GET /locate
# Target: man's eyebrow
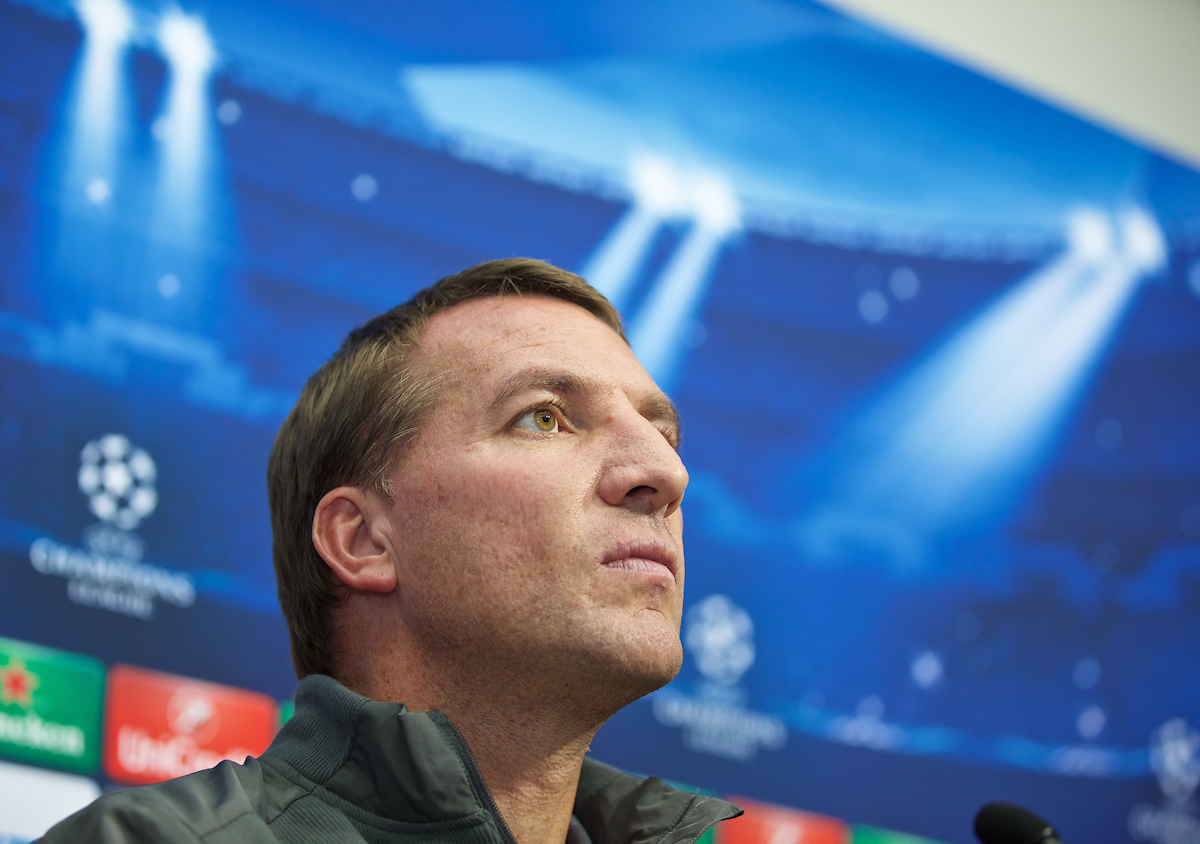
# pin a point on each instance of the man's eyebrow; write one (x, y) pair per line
(540, 378)
(654, 406)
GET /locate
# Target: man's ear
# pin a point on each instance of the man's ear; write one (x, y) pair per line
(349, 531)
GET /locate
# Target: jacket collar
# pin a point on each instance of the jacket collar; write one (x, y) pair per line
(415, 767)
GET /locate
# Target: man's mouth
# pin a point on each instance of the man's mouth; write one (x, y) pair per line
(648, 556)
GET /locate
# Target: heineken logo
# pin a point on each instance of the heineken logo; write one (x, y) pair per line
(17, 684)
(50, 706)
(118, 479)
(31, 732)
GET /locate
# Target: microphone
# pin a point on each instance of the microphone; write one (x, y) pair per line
(1004, 823)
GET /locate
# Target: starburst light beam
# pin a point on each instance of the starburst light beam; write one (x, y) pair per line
(658, 196)
(98, 103)
(664, 323)
(183, 129)
(960, 437)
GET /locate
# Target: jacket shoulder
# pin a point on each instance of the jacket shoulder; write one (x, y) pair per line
(610, 803)
(228, 803)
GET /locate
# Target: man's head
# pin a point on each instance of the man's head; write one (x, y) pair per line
(492, 459)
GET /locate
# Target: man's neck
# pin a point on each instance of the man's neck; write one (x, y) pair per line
(528, 747)
(531, 769)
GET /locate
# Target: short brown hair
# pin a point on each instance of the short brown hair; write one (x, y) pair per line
(355, 415)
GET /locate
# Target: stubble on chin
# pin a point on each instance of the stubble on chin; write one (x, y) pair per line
(590, 677)
(618, 677)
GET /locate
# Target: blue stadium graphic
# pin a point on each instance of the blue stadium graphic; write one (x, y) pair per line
(935, 345)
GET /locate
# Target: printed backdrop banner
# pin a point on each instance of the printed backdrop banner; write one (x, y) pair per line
(935, 345)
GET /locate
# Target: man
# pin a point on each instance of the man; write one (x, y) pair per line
(475, 506)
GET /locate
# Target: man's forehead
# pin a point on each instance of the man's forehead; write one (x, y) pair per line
(491, 320)
(486, 338)
(510, 344)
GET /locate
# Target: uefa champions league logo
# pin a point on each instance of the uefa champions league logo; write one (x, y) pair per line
(719, 636)
(1175, 761)
(118, 480)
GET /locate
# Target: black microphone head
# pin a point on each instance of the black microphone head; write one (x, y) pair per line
(1004, 823)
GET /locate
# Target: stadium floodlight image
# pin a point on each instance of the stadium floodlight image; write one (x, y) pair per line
(900, 351)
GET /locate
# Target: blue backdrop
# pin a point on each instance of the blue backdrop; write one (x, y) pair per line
(935, 345)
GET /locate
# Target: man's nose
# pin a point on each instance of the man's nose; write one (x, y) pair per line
(643, 470)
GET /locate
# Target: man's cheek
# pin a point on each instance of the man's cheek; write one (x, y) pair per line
(675, 525)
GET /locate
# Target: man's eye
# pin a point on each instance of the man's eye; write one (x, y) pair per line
(542, 420)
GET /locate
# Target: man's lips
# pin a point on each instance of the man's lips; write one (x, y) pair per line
(645, 555)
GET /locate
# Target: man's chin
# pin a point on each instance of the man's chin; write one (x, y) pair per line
(643, 672)
(661, 678)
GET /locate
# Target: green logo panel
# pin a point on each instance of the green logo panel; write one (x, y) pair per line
(51, 704)
(874, 835)
(287, 709)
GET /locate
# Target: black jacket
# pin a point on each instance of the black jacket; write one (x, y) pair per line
(349, 769)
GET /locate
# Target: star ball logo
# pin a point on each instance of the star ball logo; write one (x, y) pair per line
(118, 479)
(1175, 761)
(719, 636)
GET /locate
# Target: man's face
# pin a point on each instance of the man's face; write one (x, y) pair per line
(536, 515)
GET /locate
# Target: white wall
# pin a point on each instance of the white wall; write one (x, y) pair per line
(1132, 66)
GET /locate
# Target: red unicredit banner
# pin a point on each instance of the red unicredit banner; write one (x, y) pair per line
(159, 726)
(764, 823)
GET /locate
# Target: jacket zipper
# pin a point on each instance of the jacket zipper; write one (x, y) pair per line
(473, 773)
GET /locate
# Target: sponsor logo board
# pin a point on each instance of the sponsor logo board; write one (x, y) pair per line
(158, 726)
(765, 823)
(50, 706)
(287, 708)
(33, 799)
(875, 835)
